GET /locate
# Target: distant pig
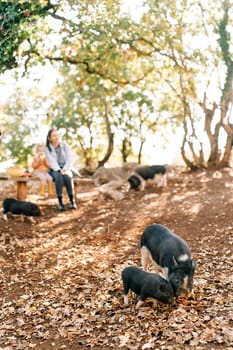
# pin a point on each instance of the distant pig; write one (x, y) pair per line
(147, 285)
(170, 255)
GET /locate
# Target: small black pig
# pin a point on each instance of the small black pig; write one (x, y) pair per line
(171, 256)
(16, 207)
(147, 285)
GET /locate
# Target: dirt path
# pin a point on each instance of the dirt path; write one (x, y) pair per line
(60, 279)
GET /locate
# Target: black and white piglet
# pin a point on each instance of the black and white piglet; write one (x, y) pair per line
(170, 255)
(147, 285)
(147, 174)
(16, 207)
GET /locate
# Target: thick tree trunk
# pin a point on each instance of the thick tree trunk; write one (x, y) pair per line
(212, 129)
(225, 162)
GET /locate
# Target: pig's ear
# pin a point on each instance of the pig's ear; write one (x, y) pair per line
(175, 262)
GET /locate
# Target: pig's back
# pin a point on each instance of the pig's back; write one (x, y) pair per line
(163, 244)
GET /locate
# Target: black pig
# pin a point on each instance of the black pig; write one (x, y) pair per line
(147, 285)
(16, 207)
(171, 256)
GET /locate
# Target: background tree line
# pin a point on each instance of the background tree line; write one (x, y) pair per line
(120, 78)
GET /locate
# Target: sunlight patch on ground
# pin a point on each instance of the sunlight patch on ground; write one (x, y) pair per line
(179, 198)
(195, 209)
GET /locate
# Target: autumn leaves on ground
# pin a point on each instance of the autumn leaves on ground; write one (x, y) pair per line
(60, 278)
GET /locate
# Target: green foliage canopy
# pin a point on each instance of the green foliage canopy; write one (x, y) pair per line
(16, 19)
(171, 58)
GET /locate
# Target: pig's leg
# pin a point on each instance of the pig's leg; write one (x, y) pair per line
(142, 185)
(139, 304)
(159, 180)
(30, 218)
(143, 296)
(163, 272)
(145, 258)
(126, 300)
(164, 180)
(125, 292)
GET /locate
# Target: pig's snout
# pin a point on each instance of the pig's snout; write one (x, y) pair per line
(180, 284)
(183, 291)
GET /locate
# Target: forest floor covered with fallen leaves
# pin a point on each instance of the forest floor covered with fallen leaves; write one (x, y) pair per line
(61, 282)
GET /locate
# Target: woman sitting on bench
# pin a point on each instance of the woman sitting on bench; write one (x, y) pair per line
(61, 164)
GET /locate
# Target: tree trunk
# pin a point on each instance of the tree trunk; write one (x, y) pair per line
(108, 152)
(110, 135)
(190, 164)
(215, 159)
(140, 151)
(126, 149)
(225, 162)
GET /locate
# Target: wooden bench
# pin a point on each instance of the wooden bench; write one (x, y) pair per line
(22, 181)
(21, 184)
